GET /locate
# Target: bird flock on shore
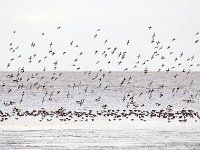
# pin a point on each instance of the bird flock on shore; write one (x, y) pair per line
(85, 85)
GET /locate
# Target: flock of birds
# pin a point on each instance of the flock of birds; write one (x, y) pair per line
(109, 114)
(24, 82)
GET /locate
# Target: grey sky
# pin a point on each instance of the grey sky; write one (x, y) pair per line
(119, 21)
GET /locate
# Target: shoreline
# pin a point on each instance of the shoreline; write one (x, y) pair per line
(100, 125)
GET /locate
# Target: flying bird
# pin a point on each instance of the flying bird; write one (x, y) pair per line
(127, 42)
(149, 27)
(95, 36)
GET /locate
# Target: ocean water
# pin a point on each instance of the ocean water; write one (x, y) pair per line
(99, 110)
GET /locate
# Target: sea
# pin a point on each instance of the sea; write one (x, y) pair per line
(99, 110)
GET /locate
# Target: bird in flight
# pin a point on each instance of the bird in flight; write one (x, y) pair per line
(150, 27)
(196, 41)
(173, 39)
(127, 42)
(71, 43)
(105, 41)
(32, 44)
(95, 36)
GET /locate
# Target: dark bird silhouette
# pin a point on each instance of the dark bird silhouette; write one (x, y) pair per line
(50, 44)
(95, 36)
(138, 56)
(158, 42)
(127, 42)
(105, 41)
(8, 65)
(71, 43)
(173, 39)
(32, 44)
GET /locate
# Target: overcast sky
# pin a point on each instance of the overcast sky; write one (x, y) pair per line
(119, 21)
